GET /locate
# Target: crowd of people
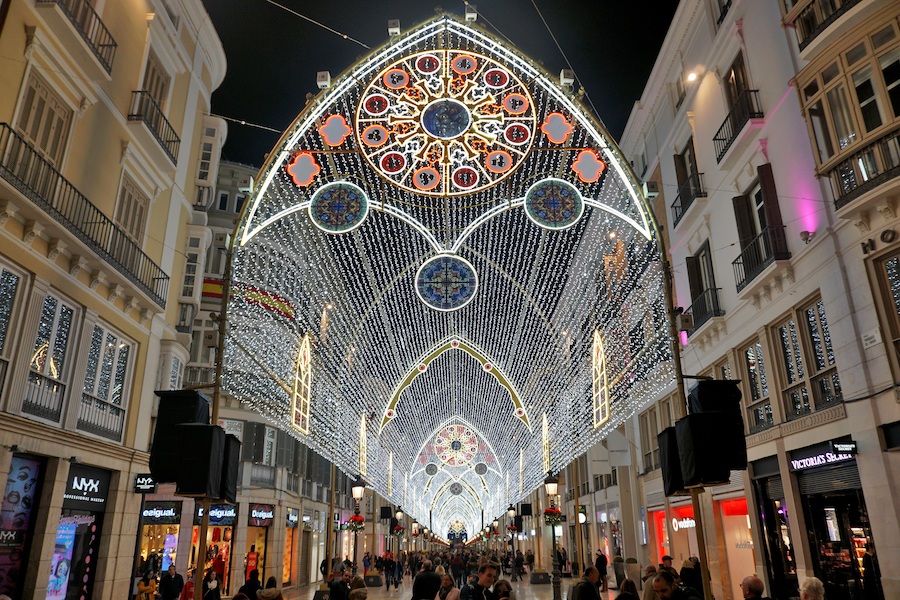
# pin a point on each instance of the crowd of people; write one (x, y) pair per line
(468, 575)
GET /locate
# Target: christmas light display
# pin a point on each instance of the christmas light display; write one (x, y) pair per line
(443, 246)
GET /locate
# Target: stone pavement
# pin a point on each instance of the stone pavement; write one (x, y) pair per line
(523, 591)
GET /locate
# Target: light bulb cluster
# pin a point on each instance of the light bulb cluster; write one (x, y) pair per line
(541, 296)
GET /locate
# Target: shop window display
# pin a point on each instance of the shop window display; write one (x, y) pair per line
(216, 553)
(159, 536)
(17, 515)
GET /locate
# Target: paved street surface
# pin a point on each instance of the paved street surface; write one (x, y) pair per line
(523, 591)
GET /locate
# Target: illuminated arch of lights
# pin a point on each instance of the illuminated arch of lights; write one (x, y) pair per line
(446, 189)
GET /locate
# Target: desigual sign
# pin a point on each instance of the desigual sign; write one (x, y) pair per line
(161, 513)
(685, 523)
(261, 515)
(219, 514)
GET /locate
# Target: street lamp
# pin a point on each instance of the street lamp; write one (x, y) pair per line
(399, 514)
(511, 513)
(358, 490)
(551, 486)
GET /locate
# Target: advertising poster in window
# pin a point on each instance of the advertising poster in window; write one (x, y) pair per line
(17, 513)
(61, 564)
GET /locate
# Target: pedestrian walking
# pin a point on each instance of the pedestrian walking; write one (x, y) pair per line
(171, 584)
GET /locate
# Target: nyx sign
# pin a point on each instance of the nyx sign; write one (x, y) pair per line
(87, 488)
(144, 484)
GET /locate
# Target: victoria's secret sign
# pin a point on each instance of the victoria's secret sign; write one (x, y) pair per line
(823, 455)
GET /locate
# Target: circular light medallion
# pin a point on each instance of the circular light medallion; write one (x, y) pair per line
(456, 488)
(446, 282)
(446, 119)
(338, 207)
(431, 469)
(481, 469)
(553, 204)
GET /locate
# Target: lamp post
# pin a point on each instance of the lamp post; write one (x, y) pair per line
(495, 531)
(551, 486)
(511, 513)
(358, 489)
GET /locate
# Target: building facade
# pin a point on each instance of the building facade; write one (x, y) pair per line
(102, 122)
(772, 136)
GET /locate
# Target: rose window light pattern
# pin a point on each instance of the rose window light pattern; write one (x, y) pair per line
(434, 246)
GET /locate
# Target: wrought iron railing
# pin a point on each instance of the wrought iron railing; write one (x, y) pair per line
(262, 476)
(868, 168)
(723, 12)
(691, 189)
(760, 416)
(817, 17)
(746, 107)
(101, 418)
(29, 172)
(91, 28)
(821, 392)
(198, 375)
(43, 397)
(144, 108)
(763, 250)
(705, 306)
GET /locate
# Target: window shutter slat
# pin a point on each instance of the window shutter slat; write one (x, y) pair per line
(770, 195)
(744, 220)
(695, 280)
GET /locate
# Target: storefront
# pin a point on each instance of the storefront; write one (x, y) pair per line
(737, 538)
(775, 528)
(158, 544)
(18, 512)
(836, 515)
(75, 555)
(216, 553)
(683, 542)
(260, 518)
(291, 523)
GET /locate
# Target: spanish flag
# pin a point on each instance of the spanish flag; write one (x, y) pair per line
(212, 288)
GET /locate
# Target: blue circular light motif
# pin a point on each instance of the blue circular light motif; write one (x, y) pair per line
(446, 282)
(446, 119)
(553, 204)
(431, 469)
(481, 469)
(338, 207)
(456, 489)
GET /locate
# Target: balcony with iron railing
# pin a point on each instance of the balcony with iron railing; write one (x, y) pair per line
(690, 190)
(821, 392)
(262, 476)
(44, 397)
(817, 16)
(29, 172)
(871, 166)
(198, 375)
(760, 417)
(746, 107)
(101, 418)
(90, 27)
(763, 250)
(144, 108)
(705, 307)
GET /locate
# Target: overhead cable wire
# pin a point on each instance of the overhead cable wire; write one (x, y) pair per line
(322, 25)
(568, 63)
(248, 124)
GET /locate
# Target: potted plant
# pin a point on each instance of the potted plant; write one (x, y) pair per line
(633, 570)
(618, 564)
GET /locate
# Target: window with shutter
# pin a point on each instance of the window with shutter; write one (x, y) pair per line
(131, 210)
(156, 81)
(44, 119)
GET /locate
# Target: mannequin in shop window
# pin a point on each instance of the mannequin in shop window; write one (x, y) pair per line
(871, 575)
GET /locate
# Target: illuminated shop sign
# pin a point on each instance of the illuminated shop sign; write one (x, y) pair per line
(161, 513)
(219, 514)
(823, 455)
(261, 515)
(144, 484)
(685, 523)
(292, 517)
(86, 488)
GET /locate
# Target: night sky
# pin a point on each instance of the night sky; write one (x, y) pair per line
(273, 55)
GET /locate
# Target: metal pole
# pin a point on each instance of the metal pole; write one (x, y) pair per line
(681, 409)
(200, 566)
(557, 593)
(329, 536)
(579, 542)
